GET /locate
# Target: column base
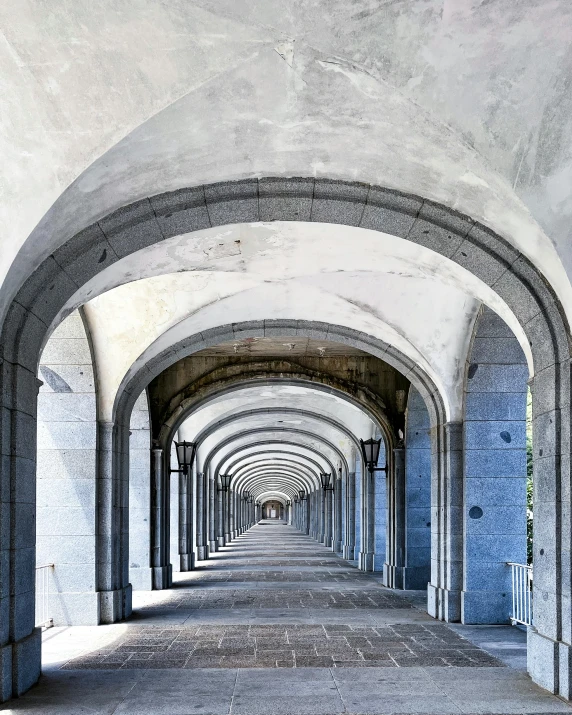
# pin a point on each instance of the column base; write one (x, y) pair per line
(392, 576)
(20, 665)
(443, 604)
(187, 562)
(115, 605)
(162, 577)
(337, 547)
(348, 552)
(227, 539)
(201, 553)
(220, 541)
(550, 663)
(366, 560)
(213, 546)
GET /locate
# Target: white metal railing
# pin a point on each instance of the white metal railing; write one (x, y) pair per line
(42, 596)
(521, 594)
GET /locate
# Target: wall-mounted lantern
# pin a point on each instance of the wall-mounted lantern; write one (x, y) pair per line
(185, 456)
(370, 452)
(302, 494)
(325, 479)
(225, 480)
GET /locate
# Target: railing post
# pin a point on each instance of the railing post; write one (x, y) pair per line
(521, 578)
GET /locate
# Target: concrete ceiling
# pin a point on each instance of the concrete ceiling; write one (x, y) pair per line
(234, 433)
(466, 103)
(268, 347)
(410, 297)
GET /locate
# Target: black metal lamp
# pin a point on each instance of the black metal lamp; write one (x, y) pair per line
(302, 494)
(296, 499)
(288, 503)
(250, 498)
(325, 479)
(370, 453)
(185, 455)
(225, 482)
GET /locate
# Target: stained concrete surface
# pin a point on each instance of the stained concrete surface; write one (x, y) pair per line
(237, 592)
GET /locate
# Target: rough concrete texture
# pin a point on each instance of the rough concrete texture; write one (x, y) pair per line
(440, 114)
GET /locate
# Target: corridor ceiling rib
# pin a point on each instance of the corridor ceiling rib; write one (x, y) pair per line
(257, 433)
(187, 408)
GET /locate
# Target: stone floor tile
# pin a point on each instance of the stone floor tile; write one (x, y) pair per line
(233, 625)
(392, 704)
(287, 705)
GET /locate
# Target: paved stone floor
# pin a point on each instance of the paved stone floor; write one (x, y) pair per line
(275, 623)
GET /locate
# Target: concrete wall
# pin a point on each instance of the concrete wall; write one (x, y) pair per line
(66, 484)
(140, 575)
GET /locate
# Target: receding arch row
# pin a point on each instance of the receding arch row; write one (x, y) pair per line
(305, 465)
(483, 253)
(195, 396)
(210, 430)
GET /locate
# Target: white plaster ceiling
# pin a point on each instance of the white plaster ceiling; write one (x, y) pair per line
(410, 297)
(261, 469)
(465, 103)
(273, 397)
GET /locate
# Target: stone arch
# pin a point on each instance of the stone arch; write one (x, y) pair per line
(200, 392)
(494, 472)
(455, 236)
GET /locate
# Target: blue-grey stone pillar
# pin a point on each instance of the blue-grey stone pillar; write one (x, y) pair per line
(367, 550)
(213, 516)
(221, 514)
(495, 470)
(357, 511)
(338, 513)
(201, 536)
(350, 517)
(395, 547)
(20, 641)
(381, 516)
(328, 516)
(417, 569)
(231, 515)
(444, 591)
(161, 569)
(113, 523)
(186, 546)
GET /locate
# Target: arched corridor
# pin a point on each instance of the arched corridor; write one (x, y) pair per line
(285, 346)
(274, 600)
